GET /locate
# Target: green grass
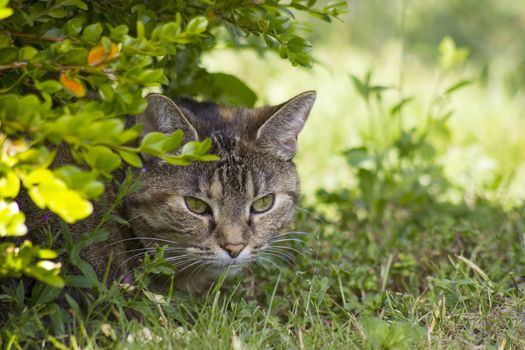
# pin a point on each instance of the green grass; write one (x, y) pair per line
(457, 283)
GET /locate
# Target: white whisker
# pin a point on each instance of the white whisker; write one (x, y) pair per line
(291, 233)
(269, 249)
(187, 266)
(290, 262)
(288, 248)
(145, 239)
(286, 240)
(270, 262)
(126, 260)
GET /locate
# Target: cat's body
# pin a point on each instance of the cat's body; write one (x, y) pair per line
(210, 215)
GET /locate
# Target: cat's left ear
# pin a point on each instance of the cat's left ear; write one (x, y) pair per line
(278, 134)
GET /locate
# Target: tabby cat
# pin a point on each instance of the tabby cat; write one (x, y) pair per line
(210, 215)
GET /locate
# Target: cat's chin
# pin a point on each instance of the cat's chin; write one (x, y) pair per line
(229, 270)
(201, 281)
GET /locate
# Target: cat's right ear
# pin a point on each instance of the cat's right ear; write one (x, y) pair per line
(278, 134)
(163, 114)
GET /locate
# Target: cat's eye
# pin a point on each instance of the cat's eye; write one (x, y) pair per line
(263, 204)
(196, 205)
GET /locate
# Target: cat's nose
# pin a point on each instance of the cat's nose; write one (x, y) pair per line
(234, 249)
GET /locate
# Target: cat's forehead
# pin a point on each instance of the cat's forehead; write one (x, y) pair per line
(241, 172)
(209, 118)
(227, 114)
(231, 180)
(238, 173)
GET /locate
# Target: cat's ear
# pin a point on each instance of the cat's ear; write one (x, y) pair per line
(278, 134)
(163, 114)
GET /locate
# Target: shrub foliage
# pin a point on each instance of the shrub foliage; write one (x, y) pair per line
(72, 71)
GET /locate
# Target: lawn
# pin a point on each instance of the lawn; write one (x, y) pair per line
(452, 281)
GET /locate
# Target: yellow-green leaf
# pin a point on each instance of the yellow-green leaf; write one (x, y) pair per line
(47, 191)
(11, 220)
(5, 12)
(9, 185)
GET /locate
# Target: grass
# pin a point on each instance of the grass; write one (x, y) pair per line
(457, 283)
(385, 261)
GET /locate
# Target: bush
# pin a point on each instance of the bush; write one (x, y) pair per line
(72, 72)
(400, 181)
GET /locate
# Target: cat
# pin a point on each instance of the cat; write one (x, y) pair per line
(211, 216)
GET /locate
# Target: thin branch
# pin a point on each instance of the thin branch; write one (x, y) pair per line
(14, 65)
(35, 36)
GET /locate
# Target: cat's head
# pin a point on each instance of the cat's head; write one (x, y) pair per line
(225, 212)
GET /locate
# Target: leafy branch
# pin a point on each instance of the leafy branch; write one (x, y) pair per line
(72, 72)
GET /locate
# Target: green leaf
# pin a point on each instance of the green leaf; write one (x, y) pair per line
(25, 259)
(78, 281)
(26, 53)
(119, 32)
(361, 87)
(457, 86)
(57, 13)
(92, 33)
(8, 55)
(203, 147)
(356, 156)
(42, 294)
(9, 185)
(190, 148)
(80, 180)
(173, 142)
(197, 25)
(47, 254)
(140, 30)
(5, 40)
(153, 142)
(119, 220)
(208, 157)
(102, 158)
(47, 272)
(5, 12)
(396, 109)
(76, 56)
(130, 134)
(11, 220)
(88, 272)
(74, 26)
(449, 55)
(107, 92)
(169, 31)
(48, 191)
(298, 44)
(227, 89)
(73, 304)
(79, 3)
(49, 86)
(85, 241)
(131, 158)
(151, 76)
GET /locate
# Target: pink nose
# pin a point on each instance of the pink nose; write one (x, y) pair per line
(234, 249)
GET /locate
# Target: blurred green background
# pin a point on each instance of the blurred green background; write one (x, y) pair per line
(481, 150)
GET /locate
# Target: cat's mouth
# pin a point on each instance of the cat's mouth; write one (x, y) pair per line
(224, 263)
(213, 260)
(223, 260)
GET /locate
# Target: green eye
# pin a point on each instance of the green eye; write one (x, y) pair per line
(196, 205)
(263, 204)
